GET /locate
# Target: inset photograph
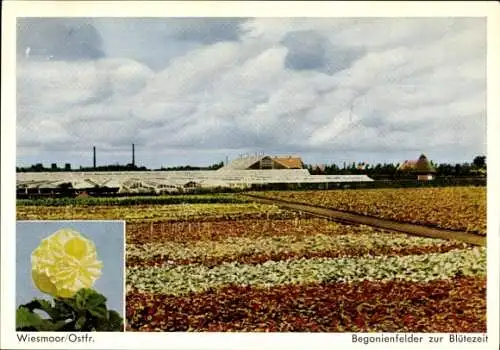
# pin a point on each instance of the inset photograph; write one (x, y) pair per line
(70, 276)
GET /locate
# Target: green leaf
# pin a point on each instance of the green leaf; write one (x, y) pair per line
(44, 305)
(91, 301)
(60, 310)
(67, 327)
(80, 322)
(81, 298)
(63, 309)
(68, 304)
(39, 304)
(115, 321)
(99, 311)
(62, 325)
(89, 297)
(28, 320)
(96, 300)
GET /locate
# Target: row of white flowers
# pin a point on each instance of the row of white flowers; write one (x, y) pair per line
(234, 246)
(183, 279)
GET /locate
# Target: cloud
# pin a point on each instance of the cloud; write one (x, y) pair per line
(390, 87)
(156, 41)
(309, 50)
(207, 30)
(58, 39)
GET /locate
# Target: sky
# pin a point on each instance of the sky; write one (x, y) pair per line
(197, 90)
(108, 237)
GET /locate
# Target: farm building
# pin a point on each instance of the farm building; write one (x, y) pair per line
(265, 162)
(421, 167)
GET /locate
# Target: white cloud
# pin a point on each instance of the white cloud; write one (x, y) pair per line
(415, 84)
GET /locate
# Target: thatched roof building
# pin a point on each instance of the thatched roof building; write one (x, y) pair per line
(421, 167)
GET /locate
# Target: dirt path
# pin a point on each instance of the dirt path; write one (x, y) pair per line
(417, 230)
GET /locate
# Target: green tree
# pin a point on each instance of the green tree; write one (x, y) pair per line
(479, 162)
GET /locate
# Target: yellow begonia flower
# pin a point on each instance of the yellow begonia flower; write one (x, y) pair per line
(64, 263)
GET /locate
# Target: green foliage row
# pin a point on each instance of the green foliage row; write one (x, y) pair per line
(136, 200)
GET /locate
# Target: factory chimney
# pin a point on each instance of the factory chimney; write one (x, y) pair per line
(133, 155)
(94, 159)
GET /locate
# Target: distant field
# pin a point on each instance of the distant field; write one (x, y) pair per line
(455, 208)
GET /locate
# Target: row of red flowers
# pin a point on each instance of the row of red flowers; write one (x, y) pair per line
(457, 305)
(186, 231)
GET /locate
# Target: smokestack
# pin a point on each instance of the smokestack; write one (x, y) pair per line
(94, 159)
(133, 155)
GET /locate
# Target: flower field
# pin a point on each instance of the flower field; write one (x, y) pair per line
(151, 212)
(454, 208)
(300, 275)
(250, 267)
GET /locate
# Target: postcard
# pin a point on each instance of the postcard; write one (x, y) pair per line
(244, 175)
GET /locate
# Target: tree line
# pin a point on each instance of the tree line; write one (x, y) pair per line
(377, 171)
(391, 171)
(39, 167)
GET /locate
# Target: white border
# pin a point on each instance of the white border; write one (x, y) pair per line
(493, 159)
(12, 9)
